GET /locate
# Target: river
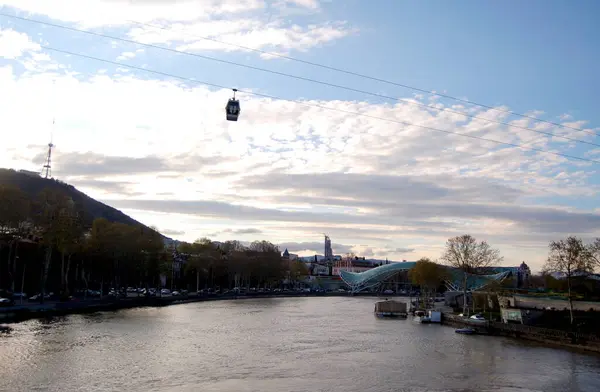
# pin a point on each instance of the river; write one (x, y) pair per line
(276, 345)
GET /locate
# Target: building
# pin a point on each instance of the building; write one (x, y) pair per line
(328, 251)
(289, 256)
(523, 274)
(331, 265)
(356, 264)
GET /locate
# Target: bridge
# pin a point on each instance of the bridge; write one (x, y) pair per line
(359, 281)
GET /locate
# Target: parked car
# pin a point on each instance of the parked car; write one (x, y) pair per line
(37, 297)
(6, 302)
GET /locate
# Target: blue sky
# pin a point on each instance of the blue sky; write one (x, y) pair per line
(132, 135)
(534, 54)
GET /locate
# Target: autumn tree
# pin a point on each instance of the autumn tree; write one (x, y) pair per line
(469, 256)
(151, 249)
(104, 245)
(51, 209)
(69, 236)
(297, 269)
(267, 261)
(428, 275)
(570, 257)
(202, 255)
(122, 254)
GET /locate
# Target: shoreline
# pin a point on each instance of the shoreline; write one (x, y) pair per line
(546, 337)
(27, 310)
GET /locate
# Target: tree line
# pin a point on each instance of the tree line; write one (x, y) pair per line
(47, 244)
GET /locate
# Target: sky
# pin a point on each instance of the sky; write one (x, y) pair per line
(386, 171)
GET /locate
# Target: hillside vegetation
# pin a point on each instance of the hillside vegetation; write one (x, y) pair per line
(91, 208)
(55, 239)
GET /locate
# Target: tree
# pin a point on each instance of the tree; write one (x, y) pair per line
(569, 257)
(537, 281)
(126, 255)
(51, 208)
(69, 239)
(469, 256)
(266, 263)
(594, 254)
(297, 270)
(15, 210)
(349, 257)
(202, 254)
(428, 275)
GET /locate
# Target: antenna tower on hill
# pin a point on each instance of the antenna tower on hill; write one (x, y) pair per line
(48, 166)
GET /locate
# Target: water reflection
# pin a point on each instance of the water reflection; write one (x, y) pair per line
(297, 344)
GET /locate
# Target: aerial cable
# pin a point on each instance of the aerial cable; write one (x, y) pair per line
(364, 76)
(272, 97)
(411, 102)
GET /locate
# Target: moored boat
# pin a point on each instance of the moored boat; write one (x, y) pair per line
(391, 308)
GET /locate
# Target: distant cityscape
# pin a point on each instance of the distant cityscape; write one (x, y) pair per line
(331, 265)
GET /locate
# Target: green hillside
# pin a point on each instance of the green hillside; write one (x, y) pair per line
(93, 209)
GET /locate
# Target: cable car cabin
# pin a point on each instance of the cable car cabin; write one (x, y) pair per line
(232, 110)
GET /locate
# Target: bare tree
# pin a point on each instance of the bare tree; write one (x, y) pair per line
(468, 255)
(570, 257)
(594, 254)
(349, 260)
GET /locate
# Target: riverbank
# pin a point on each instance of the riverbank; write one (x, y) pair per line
(552, 337)
(26, 311)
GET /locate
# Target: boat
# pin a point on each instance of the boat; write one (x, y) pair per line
(391, 309)
(435, 316)
(466, 331)
(477, 318)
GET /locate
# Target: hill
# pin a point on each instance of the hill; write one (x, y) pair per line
(32, 185)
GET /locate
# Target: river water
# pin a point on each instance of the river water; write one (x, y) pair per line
(276, 345)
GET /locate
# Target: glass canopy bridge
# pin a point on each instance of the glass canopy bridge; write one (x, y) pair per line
(359, 281)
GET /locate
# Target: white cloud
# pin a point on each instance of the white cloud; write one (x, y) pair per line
(14, 44)
(311, 4)
(288, 172)
(126, 56)
(186, 25)
(274, 36)
(100, 13)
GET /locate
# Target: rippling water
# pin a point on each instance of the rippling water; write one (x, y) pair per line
(283, 345)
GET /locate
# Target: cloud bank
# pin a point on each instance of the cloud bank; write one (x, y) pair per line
(286, 172)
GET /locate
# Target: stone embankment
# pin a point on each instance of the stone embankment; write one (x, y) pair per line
(548, 336)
